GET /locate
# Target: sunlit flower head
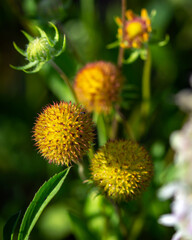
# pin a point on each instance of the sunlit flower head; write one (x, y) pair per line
(98, 85)
(121, 169)
(63, 133)
(137, 29)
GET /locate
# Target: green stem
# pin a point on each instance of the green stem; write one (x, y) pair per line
(65, 78)
(145, 107)
(81, 171)
(101, 128)
(122, 226)
(87, 11)
(119, 117)
(114, 127)
(136, 227)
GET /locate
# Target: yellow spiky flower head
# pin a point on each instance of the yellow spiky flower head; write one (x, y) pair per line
(63, 133)
(98, 85)
(137, 29)
(121, 169)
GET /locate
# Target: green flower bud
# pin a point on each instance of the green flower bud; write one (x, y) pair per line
(40, 50)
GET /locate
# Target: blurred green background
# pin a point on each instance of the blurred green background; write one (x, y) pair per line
(89, 26)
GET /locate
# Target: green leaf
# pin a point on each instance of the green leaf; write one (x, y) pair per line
(35, 69)
(22, 52)
(62, 47)
(27, 66)
(164, 42)
(143, 54)
(44, 35)
(29, 37)
(10, 226)
(39, 202)
(132, 58)
(153, 13)
(113, 45)
(56, 37)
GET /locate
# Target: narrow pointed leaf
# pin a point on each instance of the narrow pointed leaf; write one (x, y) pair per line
(62, 48)
(164, 42)
(27, 66)
(43, 34)
(56, 38)
(9, 228)
(143, 54)
(132, 58)
(113, 45)
(153, 13)
(21, 51)
(39, 202)
(35, 69)
(29, 37)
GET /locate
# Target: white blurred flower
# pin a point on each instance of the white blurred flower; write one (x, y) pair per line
(181, 216)
(180, 189)
(184, 98)
(168, 191)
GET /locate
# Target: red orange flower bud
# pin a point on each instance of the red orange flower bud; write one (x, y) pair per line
(137, 29)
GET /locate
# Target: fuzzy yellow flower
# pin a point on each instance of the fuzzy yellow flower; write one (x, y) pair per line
(121, 169)
(98, 85)
(63, 133)
(137, 29)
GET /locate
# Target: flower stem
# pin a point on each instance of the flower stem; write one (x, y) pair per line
(119, 64)
(81, 171)
(122, 226)
(99, 119)
(145, 107)
(114, 127)
(119, 117)
(65, 78)
(121, 50)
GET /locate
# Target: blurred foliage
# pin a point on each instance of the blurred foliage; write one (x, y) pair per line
(89, 26)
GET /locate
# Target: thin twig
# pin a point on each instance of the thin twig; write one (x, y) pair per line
(121, 50)
(126, 125)
(119, 64)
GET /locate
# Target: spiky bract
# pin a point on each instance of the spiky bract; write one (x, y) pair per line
(137, 29)
(63, 133)
(97, 86)
(121, 169)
